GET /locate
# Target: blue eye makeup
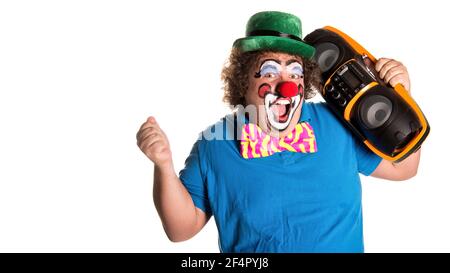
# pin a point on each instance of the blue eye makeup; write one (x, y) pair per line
(269, 69)
(296, 68)
(269, 66)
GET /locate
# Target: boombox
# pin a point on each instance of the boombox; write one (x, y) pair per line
(385, 118)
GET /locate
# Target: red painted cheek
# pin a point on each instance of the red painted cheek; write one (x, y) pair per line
(263, 90)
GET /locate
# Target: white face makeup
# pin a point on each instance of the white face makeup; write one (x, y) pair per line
(280, 110)
(280, 103)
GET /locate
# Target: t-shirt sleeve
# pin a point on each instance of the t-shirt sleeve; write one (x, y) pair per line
(193, 177)
(367, 160)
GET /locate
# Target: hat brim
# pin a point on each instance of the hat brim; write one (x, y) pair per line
(282, 44)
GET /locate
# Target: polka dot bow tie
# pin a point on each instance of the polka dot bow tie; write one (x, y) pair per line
(256, 143)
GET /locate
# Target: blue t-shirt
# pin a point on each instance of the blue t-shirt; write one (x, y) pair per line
(287, 202)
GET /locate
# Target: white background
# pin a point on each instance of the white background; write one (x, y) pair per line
(77, 79)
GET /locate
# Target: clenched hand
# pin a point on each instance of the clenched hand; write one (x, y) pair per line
(153, 142)
(393, 72)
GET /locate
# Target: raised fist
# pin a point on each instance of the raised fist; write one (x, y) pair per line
(153, 143)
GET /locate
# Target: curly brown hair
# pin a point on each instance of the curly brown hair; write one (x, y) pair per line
(235, 76)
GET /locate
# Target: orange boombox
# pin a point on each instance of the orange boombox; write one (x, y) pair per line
(385, 118)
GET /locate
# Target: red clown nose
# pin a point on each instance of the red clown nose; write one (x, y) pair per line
(287, 89)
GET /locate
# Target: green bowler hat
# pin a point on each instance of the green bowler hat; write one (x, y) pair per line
(274, 30)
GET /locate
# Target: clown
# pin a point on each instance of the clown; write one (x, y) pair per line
(289, 181)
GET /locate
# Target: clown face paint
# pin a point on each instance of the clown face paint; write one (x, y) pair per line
(279, 83)
(280, 109)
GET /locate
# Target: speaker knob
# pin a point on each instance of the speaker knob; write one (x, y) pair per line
(336, 95)
(342, 101)
(400, 136)
(329, 88)
(414, 126)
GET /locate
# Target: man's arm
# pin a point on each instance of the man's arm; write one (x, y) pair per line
(394, 72)
(180, 218)
(398, 171)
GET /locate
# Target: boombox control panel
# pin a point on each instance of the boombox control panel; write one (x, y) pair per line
(346, 82)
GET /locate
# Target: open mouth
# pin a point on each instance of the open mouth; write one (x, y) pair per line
(280, 110)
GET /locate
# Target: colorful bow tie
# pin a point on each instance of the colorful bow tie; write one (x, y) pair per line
(256, 143)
